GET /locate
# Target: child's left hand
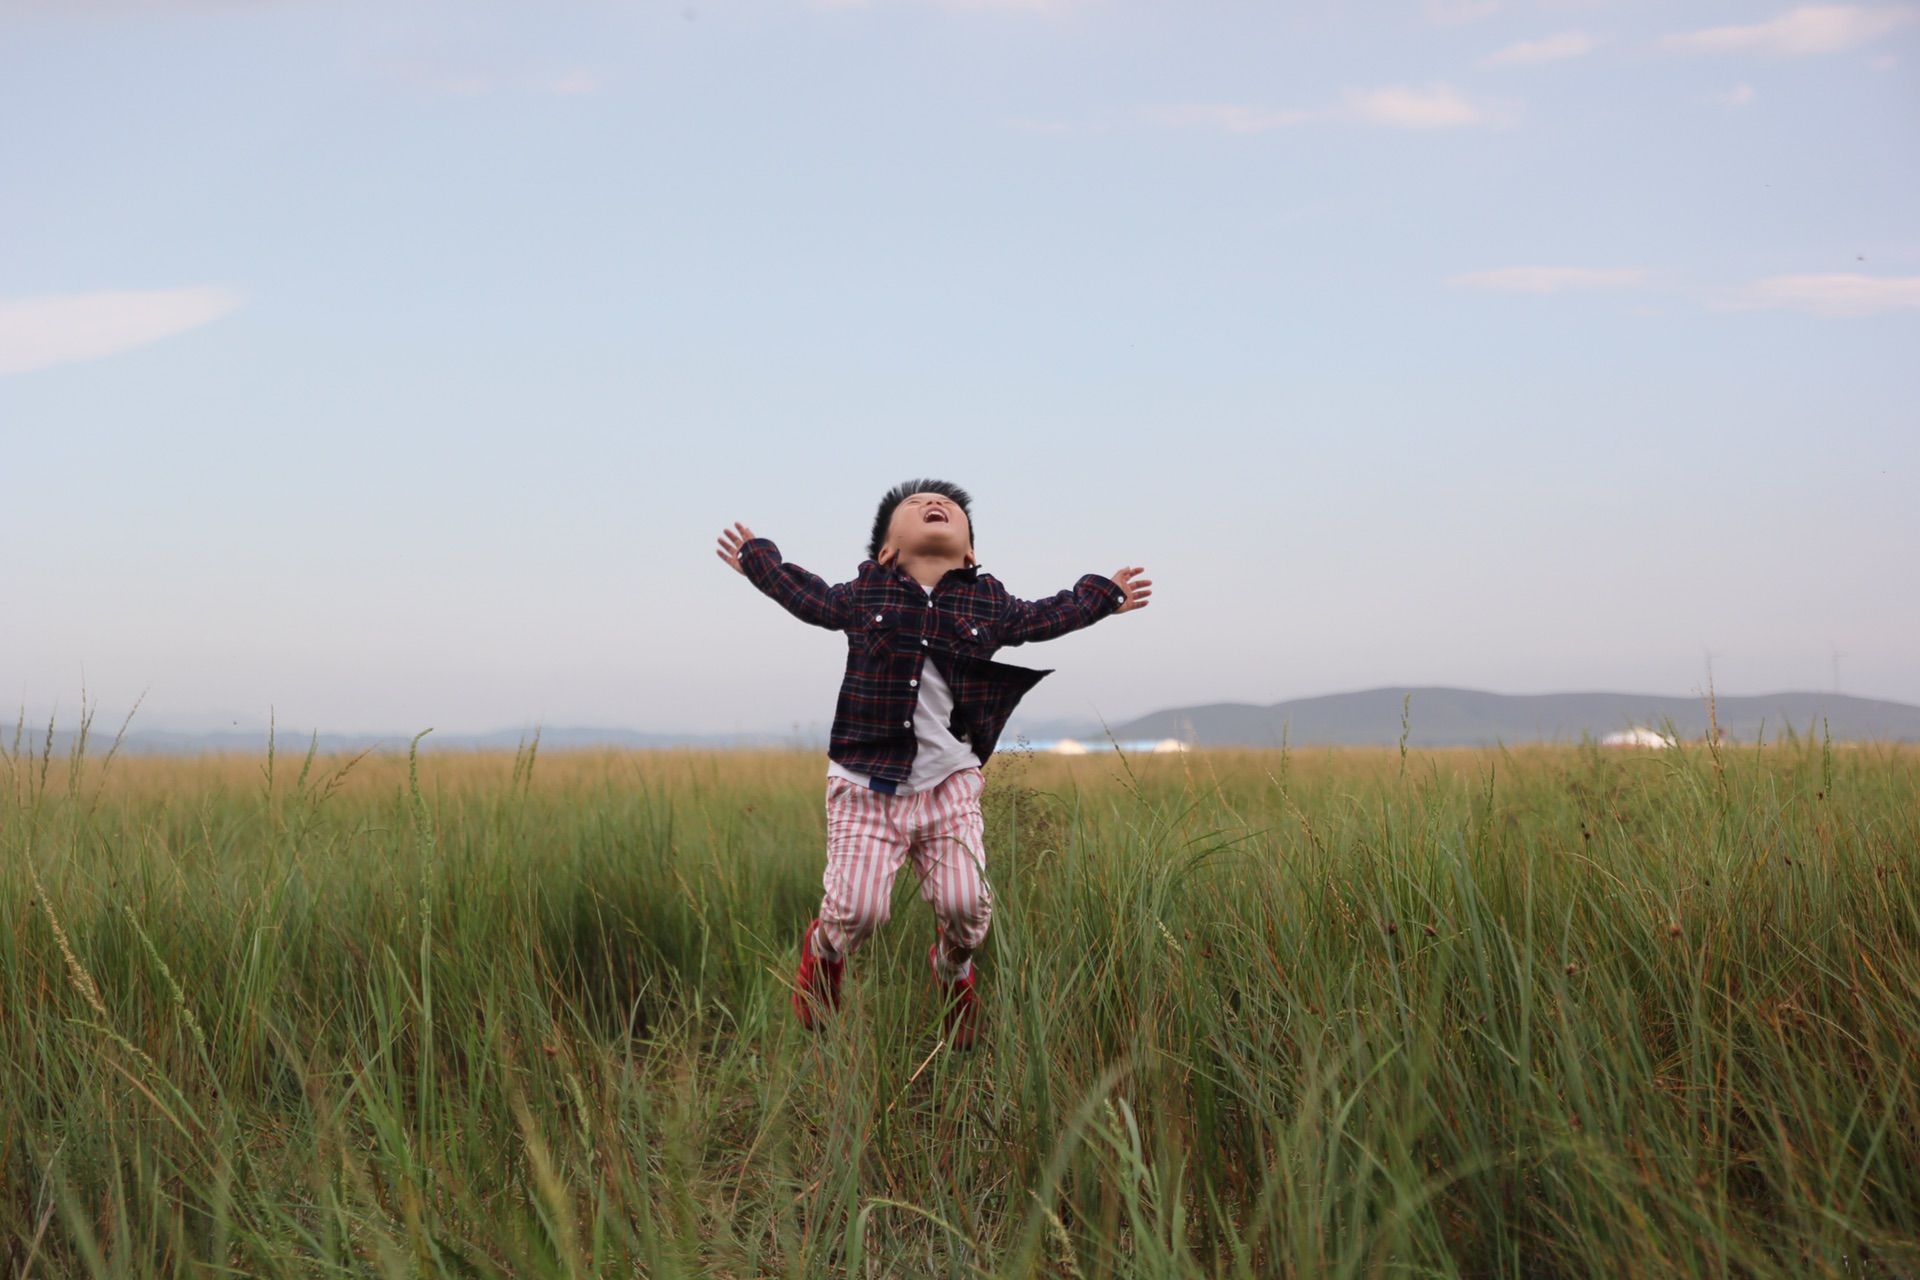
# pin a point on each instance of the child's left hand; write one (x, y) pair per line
(1136, 587)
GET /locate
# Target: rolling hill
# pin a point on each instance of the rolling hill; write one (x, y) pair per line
(1471, 717)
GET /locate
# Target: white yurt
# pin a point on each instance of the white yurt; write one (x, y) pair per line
(1637, 736)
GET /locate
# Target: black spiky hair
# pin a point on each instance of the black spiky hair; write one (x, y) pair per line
(906, 489)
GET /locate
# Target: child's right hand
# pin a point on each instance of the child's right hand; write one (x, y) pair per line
(1138, 589)
(730, 544)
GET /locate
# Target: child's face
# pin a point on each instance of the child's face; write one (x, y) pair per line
(928, 524)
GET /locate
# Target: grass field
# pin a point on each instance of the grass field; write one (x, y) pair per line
(1547, 1012)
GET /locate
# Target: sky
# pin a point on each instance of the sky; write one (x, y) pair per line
(387, 366)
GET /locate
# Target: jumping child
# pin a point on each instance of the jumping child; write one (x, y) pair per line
(921, 706)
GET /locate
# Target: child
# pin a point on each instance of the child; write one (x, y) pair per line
(921, 706)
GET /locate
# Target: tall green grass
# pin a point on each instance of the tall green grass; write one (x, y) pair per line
(1551, 1012)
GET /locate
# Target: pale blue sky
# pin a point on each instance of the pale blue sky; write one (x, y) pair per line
(397, 365)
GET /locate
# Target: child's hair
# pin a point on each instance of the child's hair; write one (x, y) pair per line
(900, 493)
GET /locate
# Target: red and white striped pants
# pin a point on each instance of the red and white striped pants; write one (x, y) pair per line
(870, 833)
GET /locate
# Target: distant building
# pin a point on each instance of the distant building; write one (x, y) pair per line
(1638, 736)
(1075, 747)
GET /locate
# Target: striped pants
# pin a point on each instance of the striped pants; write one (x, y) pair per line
(869, 834)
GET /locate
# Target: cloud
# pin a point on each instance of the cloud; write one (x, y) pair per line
(1554, 48)
(37, 333)
(579, 80)
(1544, 280)
(1839, 294)
(1810, 29)
(1436, 106)
(1741, 95)
(1228, 117)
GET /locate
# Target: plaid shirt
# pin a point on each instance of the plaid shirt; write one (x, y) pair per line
(892, 625)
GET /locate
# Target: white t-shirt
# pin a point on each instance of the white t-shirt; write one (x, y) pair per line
(939, 754)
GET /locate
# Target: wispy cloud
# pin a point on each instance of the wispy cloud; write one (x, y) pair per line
(1810, 29)
(578, 80)
(1741, 95)
(1435, 106)
(1554, 48)
(1543, 280)
(1839, 294)
(37, 333)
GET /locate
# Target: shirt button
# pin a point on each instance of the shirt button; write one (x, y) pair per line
(975, 631)
(879, 617)
(913, 684)
(906, 724)
(923, 639)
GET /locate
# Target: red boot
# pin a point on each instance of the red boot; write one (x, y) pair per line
(816, 989)
(962, 1003)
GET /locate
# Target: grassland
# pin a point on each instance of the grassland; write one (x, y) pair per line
(1549, 1012)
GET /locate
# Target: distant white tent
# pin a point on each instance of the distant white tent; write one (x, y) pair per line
(1133, 746)
(1637, 736)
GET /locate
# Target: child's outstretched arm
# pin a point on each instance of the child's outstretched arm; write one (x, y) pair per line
(1085, 603)
(806, 596)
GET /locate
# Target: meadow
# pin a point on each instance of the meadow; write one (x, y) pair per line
(1528, 1012)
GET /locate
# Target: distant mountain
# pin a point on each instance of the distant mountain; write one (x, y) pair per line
(1439, 717)
(294, 742)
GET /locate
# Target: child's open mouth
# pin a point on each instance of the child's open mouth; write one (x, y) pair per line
(935, 514)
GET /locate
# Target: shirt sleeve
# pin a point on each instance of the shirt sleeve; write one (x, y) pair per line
(806, 596)
(1081, 605)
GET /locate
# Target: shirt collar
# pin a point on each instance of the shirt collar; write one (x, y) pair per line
(964, 573)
